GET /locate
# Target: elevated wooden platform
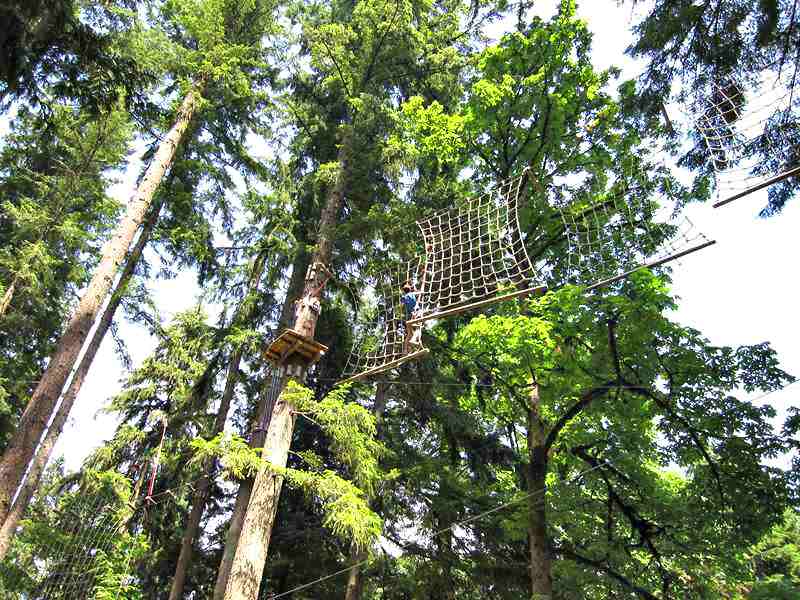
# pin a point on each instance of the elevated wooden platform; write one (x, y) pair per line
(290, 343)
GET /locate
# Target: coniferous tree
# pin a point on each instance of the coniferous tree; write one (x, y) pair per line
(55, 213)
(209, 57)
(358, 66)
(73, 50)
(547, 430)
(694, 44)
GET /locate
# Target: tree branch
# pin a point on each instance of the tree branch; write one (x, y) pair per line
(603, 567)
(644, 527)
(643, 391)
(612, 344)
(576, 409)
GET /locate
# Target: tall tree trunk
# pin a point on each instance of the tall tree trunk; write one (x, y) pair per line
(45, 449)
(34, 420)
(355, 579)
(259, 433)
(201, 493)
(251, 551)
(541, 579)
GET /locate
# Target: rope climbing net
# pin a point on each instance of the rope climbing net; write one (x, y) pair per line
(77, 545)
(475, 251)
(628, 225)
(750, 130)
(482, 252)
(383, 339)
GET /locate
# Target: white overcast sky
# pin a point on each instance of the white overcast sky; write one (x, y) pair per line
(743, 290)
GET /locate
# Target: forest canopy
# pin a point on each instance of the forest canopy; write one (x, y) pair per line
(446, 204)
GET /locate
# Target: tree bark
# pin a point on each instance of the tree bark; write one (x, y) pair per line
(5, 302)
(34, 419)
(251, 551)
(45, 449)
(259, 432)
(355, 580)
(203, 489)
(541, 578)
(240, 508)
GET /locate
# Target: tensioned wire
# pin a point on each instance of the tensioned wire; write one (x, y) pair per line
(491, 385)
(190, 486)
(437, 533)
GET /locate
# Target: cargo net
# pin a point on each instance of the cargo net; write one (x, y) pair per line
(475, 252)
(384, 339)
(482, 252)
(751, 132)
(632, 225)
(76, 548)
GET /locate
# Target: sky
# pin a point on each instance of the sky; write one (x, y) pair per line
(740, 291)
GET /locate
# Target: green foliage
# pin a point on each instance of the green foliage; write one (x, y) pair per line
(238, 459)
(351, 430)
(777, 561)
(72, 49)
(347, 512)
(630, 395)
(405, 108)
(210, 49)
(76, 538)
(427, 132)
(690, 44)
(55, 215)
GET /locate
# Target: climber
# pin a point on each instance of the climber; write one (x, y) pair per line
(413, 332)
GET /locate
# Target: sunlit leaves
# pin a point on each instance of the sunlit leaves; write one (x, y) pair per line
(351, 430)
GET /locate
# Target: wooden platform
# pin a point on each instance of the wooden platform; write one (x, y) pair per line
(390, 365)
(290, 343)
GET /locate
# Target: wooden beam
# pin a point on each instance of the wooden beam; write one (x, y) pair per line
(390, 365)
(650, 265)
(488, 302)
(760, 186)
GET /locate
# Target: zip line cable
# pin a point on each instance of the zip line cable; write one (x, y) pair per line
(439, 532)
(491, 385)
(153, 499)
(780, 389)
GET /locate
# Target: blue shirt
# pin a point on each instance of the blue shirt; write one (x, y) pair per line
(409, 301)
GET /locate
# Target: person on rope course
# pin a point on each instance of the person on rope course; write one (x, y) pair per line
(413, 332)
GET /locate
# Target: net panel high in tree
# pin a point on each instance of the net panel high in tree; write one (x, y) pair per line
(475, 253)
(383, 338)
(626, 222)
(751, 133)
(478, 253)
